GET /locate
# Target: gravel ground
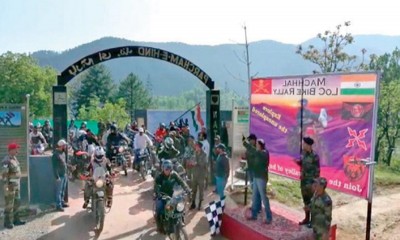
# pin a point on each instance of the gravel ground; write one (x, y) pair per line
(35, 227)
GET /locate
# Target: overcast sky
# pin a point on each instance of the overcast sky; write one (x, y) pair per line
(31, 25)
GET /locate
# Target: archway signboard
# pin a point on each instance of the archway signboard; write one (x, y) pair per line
(60, 91)
(133, 51)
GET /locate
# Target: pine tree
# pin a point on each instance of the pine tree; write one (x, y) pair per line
(134, 92)
(96, 82)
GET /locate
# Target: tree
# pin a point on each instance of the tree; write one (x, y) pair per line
(389, 104)
(20, 74)
(109, 112)
(332, 57)
(96, 82)
(135, 94)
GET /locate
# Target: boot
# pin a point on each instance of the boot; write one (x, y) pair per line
(199, 206)
(7, 223)
(85, 204)
(306, 220)
(193, 206)
(109, 203)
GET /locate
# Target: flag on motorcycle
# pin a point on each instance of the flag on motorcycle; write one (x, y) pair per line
(196, 118)
(214, 212)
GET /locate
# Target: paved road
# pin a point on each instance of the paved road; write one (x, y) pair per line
(130, 217)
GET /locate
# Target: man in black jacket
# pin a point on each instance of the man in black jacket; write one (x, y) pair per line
(221, 170)
(60, 173)
(164, 184)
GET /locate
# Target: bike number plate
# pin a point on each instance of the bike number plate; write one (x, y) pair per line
(100, 194)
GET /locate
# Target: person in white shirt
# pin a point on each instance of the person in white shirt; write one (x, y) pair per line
(206, 145)
(140, 144)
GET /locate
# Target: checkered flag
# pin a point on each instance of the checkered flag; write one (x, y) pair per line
(214, 212)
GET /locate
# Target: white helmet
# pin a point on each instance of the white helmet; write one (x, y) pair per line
(141, 130)
(99, 153)
(61, 143)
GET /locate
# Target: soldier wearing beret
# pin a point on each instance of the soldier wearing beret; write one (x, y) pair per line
(11, 175)
(309, 166)
(321, 210)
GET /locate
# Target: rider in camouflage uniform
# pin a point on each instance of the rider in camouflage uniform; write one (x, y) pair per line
(321, 210)
(11, 174)
(310, 170)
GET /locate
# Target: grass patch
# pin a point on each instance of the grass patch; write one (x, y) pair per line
(285, 190)
(387, 176)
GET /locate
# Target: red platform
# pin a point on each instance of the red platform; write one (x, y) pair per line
(284, 225)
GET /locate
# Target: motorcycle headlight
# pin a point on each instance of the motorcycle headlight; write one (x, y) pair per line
(99, 183)
(120, 149)
(180, 206)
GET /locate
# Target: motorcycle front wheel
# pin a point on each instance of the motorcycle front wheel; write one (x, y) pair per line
(100, 215)
(179, 233)
(143, 170)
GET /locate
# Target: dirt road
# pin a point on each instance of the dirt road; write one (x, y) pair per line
(130, 217)
(350, 214)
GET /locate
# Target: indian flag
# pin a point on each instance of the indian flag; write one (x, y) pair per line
(362, 84)
(196, 118)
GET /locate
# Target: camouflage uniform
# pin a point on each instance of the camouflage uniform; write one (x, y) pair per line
(321, 212)
(309, 171)
(188, 158)
(198, 179)
(11, 174)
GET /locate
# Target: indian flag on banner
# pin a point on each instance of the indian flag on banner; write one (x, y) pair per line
(196, 118)
(362, 84)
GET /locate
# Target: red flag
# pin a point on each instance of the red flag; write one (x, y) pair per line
(261, 86)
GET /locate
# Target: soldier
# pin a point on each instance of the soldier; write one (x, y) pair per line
(321, 210)
(310, 170)
(198, 180)
(188, 157)
(11, 174)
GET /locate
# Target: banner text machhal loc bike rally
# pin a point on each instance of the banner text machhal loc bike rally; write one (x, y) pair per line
(336, 110)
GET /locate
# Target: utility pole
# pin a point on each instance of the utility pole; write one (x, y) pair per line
(131, 98)
(247, 60)
(249, 99)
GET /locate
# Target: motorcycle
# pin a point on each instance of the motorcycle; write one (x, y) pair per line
(172, 220)
(97, 200)
(38, 149)
(144, 162)
(119, 156)
(48, 135)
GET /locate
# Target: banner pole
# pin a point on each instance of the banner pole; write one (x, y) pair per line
(371, 163)
(190, 109)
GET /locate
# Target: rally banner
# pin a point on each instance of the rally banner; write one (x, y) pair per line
(336, 110)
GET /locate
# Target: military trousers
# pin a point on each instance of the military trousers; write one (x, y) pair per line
(197, 184)
(13, 201)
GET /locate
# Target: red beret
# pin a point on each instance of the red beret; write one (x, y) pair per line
(12, 146)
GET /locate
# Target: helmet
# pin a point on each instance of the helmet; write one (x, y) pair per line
(113, 127)
(162, 125)
(61, 143)
(169, 142)
(99, 154)
(46, 122)
(38, 125)
(167, 165)
(141, 130)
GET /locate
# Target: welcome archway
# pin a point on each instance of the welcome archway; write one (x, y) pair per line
(60, 91)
